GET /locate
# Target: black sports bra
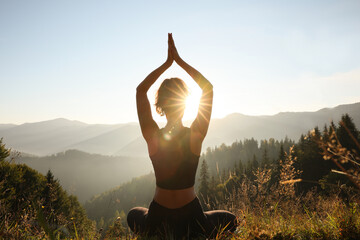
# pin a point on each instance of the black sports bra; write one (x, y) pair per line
(174, 163)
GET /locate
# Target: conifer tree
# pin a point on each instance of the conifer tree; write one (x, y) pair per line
(248, 168)
(212, 192)
(4, 152)
(332, 127)
(240, 168)
(275, 176)
(254, 163)
(236, 169)
(347, 132)
(265, 159)
(281, 152)
(310, 160)
(204, 181)
(212, 186)
(325, 133)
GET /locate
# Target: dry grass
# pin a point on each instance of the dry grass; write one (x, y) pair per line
(348, 161)
(311, 216)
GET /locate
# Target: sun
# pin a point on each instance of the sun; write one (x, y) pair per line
(192, 104)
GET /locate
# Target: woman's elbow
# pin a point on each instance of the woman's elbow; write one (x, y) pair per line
(140, 89)
(208, 88)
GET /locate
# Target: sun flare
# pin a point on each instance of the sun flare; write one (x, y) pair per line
(192, 104)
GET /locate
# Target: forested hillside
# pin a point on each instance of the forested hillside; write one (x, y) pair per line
(84, 174)
(108, 206)
(258, 169)
(36, 206)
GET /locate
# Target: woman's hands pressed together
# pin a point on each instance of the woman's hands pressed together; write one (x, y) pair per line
(170, 58)
(174, 51)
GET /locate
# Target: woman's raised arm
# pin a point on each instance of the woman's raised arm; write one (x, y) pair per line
(201, 123)
(147, 124)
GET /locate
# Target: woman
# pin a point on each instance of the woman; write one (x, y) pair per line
(174, 151)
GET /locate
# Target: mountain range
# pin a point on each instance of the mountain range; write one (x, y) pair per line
(58, 135)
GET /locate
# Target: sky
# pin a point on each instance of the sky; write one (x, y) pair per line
(82, 60)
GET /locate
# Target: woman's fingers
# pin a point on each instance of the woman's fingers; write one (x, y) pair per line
(172, 40)
(172, 49)
(170, 58)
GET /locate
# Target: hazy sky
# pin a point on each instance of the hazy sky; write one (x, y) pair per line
(82, 60)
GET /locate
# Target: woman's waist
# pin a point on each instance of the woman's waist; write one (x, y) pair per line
(174, 198)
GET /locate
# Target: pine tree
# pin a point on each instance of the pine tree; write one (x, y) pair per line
(346, 132)
(241, 168)
(236, 170)
(212, 186)
(252, 166)
(325, 133)
(281, 152)
(53, 200)
(310, 160)
(254, 163)
(248, 168)
(265, 159)
(275, 176)
(4, 152)
(204, 181)
(212, 191)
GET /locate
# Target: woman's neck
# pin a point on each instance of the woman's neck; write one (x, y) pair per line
(173, 126)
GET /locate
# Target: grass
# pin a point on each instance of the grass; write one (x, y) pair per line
(311, 216)
(267, 216)
(308, 217)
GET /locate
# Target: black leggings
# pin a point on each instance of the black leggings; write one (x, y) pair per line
(187, 222)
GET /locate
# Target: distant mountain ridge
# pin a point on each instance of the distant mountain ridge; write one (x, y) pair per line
(6, 126)
(48, 137)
